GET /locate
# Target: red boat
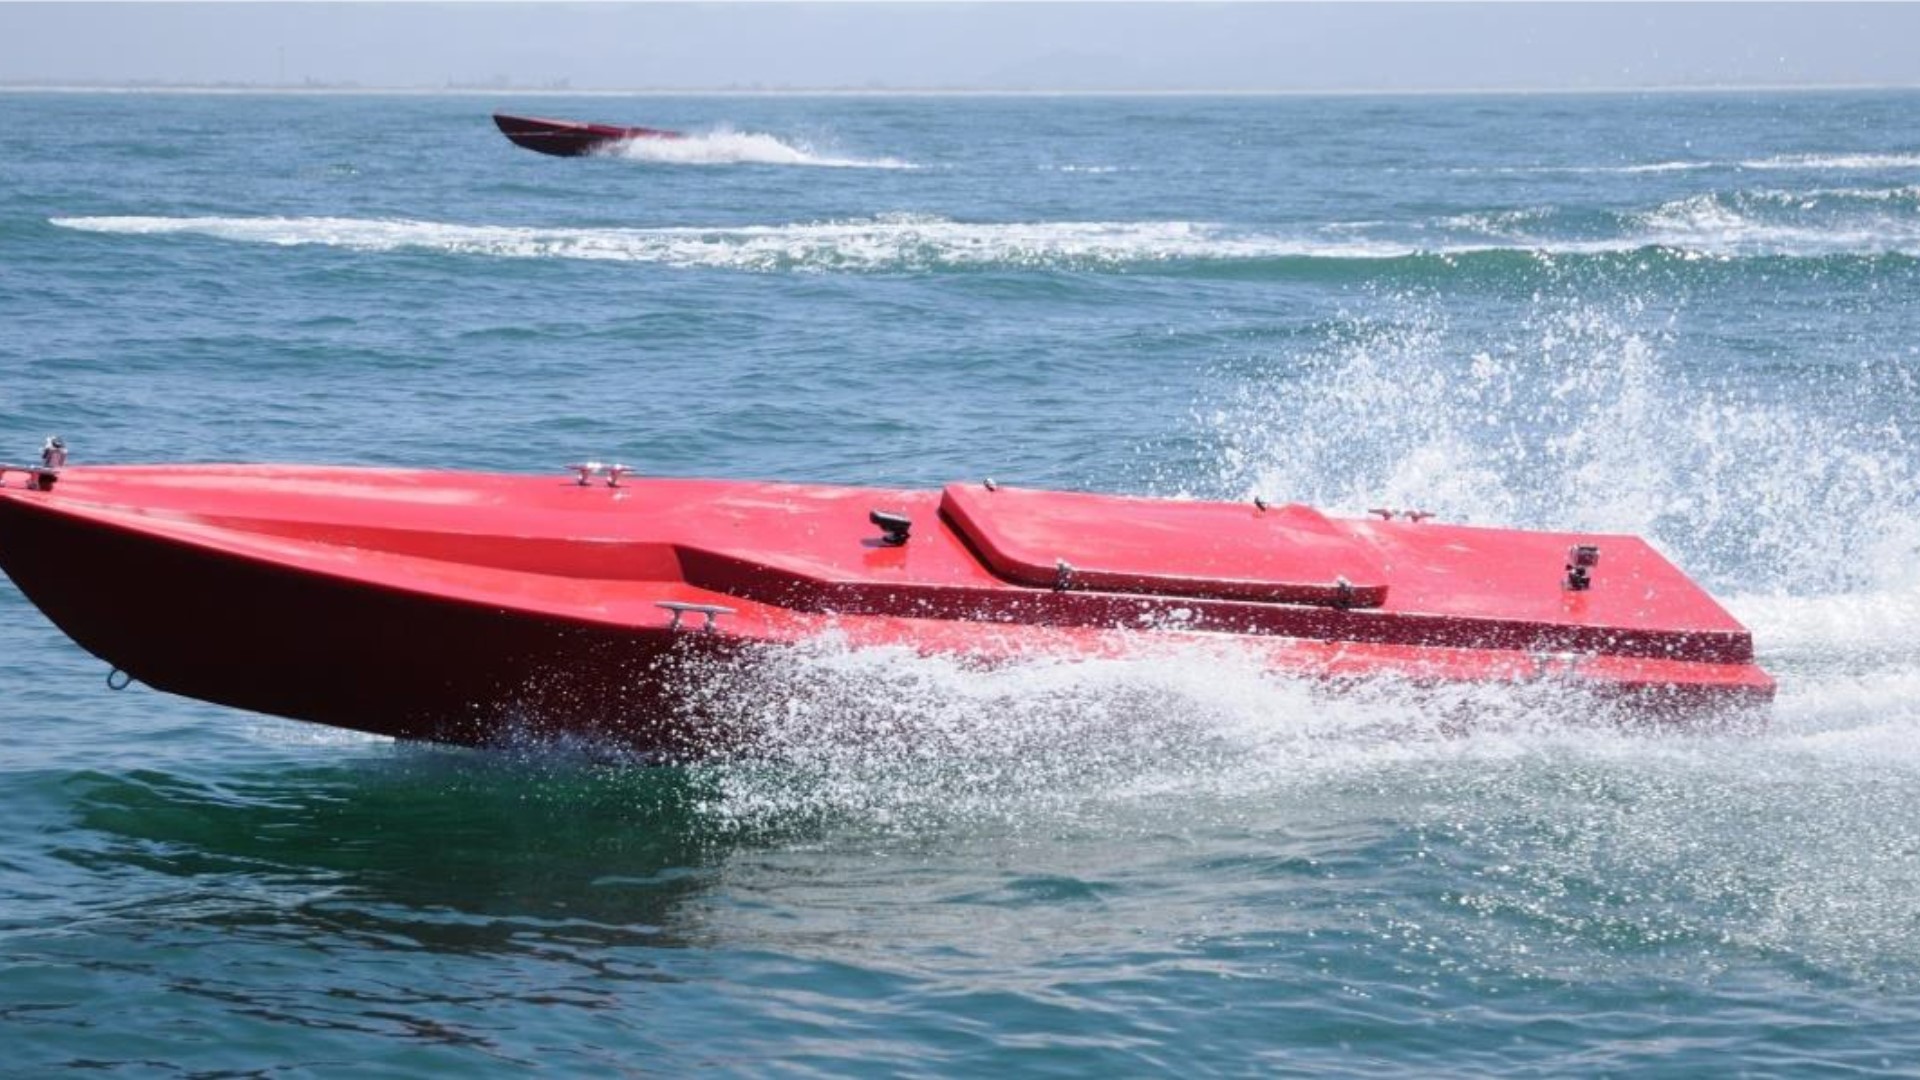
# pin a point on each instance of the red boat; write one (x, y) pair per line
(570, 138)
(464, 607)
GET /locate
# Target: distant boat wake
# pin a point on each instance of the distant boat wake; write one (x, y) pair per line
(725, 146)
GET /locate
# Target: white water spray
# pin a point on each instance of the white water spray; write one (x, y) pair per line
(725, 146)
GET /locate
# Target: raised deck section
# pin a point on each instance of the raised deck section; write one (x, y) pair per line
(1214, 551)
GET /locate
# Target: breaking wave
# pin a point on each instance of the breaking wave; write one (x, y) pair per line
(1860, 162)
(1817, 162)
(1807, 224)
(1707, 227)
(892, 242)
(725, 146)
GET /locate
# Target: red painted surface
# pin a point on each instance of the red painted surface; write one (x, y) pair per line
(1158, 546)
(569, 138)
(448, 605)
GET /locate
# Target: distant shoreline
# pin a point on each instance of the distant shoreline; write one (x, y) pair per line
(881, 92)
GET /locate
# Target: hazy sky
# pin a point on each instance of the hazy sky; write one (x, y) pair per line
(1069, 46)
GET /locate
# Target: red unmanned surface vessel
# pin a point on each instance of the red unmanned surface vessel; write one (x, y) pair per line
(473, 607)
(570, 138)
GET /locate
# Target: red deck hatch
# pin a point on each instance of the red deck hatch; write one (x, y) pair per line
(1224, 551)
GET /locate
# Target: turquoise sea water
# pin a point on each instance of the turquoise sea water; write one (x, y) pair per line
(1690, 316)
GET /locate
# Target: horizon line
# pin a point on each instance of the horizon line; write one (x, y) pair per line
(418, 90)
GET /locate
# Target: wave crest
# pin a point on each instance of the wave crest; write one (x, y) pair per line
(1713, 226)
(1830, 162)
(891, 242)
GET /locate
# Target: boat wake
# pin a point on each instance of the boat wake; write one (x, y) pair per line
(1566, 829)
(725, 146)
(890, 740)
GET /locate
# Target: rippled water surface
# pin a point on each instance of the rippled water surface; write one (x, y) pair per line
(1693, 317)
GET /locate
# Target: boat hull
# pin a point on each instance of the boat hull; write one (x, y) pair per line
(570, 138)
(278, 640)
(476, 609)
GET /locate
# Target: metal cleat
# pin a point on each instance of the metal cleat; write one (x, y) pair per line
(681, 608)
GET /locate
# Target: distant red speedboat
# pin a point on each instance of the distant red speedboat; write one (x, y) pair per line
(461, 607)
(570, 138)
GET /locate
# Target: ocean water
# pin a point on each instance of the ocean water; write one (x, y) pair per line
(1690, 316)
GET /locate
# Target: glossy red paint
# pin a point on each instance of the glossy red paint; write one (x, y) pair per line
(454, 606)
(569, 138)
